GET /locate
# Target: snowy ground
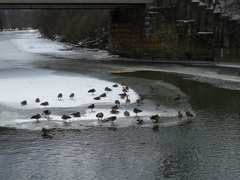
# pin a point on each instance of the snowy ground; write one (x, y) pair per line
(20, 81)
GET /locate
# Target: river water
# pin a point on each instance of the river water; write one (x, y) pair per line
(208, 147)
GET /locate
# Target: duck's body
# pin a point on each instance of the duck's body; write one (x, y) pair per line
(126, 113)
(136, 111)
(108, 89)
(122, 95)
(155, 118)
(71, 95)
(59, 96)
(114, 111)
(115, 107)
(117, 102)
(23, 103)
(76, 114)
(139, 121)
(103, 95)
(46, 113)
(188, 114)
(112, 119)
(44, 103)
(128, 100)
(92, 106)
(91, 91)
(97, 98)
(37, 117)
(180, 115)
(65, 117)
(100, 115)
(138, 101)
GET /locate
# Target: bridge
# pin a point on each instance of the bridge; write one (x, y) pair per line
(72, 4)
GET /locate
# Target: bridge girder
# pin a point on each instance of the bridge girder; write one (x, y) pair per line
(73, 4)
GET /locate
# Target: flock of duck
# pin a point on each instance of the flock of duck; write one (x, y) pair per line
(114, 109)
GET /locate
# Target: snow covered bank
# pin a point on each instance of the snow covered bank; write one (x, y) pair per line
(32, 42)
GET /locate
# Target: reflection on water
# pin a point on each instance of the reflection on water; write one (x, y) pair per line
(202, 95)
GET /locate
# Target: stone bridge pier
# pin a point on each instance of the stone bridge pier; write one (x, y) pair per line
(174, 30)
(157, 33)
(126, 32)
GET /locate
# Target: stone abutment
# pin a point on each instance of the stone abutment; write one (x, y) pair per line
(174, 30)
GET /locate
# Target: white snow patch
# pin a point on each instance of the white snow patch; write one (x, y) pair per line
(29, 84)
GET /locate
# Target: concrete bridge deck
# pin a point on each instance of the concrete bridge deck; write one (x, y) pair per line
(71, 4)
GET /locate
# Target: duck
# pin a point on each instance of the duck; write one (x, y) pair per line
(139, 121)
(188, 114)
(180, 115)
(103, 95)
(177, 98)
(128, 100)
(91, 91)
(92, 106)
(136, 110)
(155, 118)
(126, 113)
(71, 95)
(108, 89)
(44, 103)
(65, 117)
(76, 114)
(127, 88)
(122, 95)
(100, 115)
(114, 111)
(138, 101)
(117, 102)
(37, 100)
(47, 113)
(124, 89)
(97, 98)
(24, 102)
(115, 107)
(112, 119)
(59, 96)
(37, 117)
(115, 85)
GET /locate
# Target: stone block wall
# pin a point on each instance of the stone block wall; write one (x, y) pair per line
(175, 30)
(126, 31)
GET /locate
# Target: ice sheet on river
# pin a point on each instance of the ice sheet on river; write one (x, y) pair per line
(29, 84)
(20, 83)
